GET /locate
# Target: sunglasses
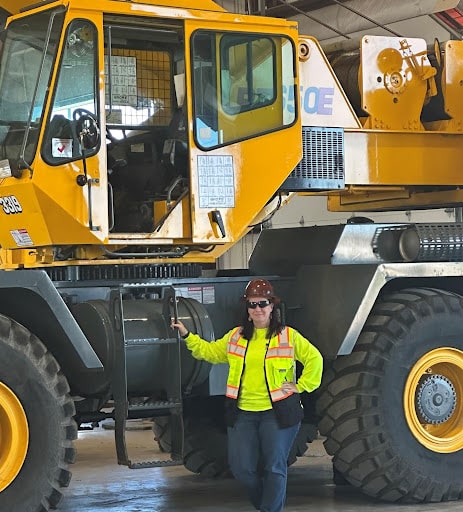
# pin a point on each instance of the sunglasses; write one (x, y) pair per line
(262, 304)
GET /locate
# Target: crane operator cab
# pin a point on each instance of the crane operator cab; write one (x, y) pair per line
(145, 126)
(125, 128)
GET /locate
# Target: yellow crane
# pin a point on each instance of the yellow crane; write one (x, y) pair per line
(139, 140)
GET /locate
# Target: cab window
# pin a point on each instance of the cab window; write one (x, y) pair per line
(239, 84)
(75, 94)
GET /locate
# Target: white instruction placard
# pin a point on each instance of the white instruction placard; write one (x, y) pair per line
(123, 85)
(21, 237)
(216, 181)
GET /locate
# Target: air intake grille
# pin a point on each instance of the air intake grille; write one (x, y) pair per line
(322, 164)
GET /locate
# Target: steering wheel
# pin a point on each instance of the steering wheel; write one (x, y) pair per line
(79, 112)
(86, 127)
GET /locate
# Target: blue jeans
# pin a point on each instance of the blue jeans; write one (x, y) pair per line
(258, 456)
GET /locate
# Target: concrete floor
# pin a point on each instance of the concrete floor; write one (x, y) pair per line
(99, 484)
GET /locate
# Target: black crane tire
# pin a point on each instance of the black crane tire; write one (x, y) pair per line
(206, 450)
(366, 400)
(34, 377)
(162, 433)
(205, 444)
(307, 433)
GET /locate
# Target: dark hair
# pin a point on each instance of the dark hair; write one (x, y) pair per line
(275, 326)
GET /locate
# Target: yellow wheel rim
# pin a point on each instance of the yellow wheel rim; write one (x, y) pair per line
(433, 400)
(14, 436)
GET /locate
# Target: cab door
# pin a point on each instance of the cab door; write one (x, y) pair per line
(246, 136)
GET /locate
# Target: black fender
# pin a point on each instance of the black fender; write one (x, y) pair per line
(331, 303)
(30, 298)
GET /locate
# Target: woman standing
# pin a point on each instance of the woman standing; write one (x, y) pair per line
(264, 412)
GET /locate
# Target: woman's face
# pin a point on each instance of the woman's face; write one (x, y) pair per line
(259, 310)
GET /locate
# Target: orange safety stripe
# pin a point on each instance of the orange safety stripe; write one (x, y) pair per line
(236, 335)
(237, 350)
(278, 394)
(233, 347)
(231, 391)
(282, 351)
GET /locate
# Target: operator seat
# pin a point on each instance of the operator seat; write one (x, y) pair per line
(175, 150)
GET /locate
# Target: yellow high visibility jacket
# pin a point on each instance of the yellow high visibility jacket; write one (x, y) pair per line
(280, 365)
(283, 350)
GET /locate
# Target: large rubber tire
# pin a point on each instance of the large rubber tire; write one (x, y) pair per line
(307, 433)
(205, 444)
(369, 402)
(206, 450)
(31, 381)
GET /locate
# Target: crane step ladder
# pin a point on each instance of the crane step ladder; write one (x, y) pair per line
(125, 409)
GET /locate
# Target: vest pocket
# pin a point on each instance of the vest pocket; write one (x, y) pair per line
(288, 411)
(283, 373)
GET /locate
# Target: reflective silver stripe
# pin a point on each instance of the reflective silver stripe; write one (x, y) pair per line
(232, 391)
(283, 338)
(278, 394)
(232, 345)
(236, 335)
(280, 352)
(283, 351)
(236, 350)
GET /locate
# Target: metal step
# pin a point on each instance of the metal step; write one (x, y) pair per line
(151, 341)
(155, 464)
(158, 408)
(124, 408)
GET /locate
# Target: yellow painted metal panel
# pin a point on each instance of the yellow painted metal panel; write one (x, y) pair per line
(206, 5)
(258, 173)
(260, 164)
(50, 213)
(353, 200)
(14, 6)
(378, 158)
(394, 76)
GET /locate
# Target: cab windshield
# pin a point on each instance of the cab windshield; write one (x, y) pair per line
(29, 51)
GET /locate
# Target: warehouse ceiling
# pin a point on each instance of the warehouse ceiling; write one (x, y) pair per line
(341, 22)
(331, 20)
(283, 9)
(288, 8)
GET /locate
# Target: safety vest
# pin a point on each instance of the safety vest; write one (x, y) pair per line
(279, 364)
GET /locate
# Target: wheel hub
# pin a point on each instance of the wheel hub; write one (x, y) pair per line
(14, 436)
(435, 399)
